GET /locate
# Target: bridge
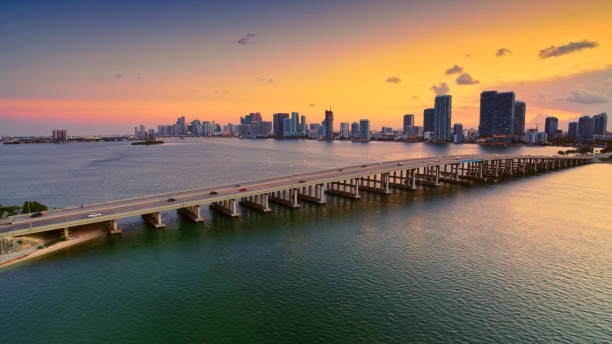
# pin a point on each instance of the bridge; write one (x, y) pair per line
(290, 190)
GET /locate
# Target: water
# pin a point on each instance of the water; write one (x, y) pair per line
(528, 260)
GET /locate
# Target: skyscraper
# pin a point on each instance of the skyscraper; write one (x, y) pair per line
(329, 124)
(519, 117)
(572, 129)
(428, 119)
(458, 133)
(303, 125)
(344, 129)
(600, 124)
(364, 129)
(504, 114)
(355, 130)
(408, 122)
(277, 123)
(497, 114)
(487, 113)
(551, 125)
(586, 127)
(295, 121)
(442, 118)
(287, 127)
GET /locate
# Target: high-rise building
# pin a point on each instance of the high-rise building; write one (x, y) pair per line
(59, 135)
(504, 114)
(295, 122)
(550, 126)
(386, 130)
(586, 127)
(458, 133)
(259, 129)
(364, 129)
(355, 130)
(600, 124)
(344, 129)
(277, 123)
(572, 129)
(329, 124)
(136, 131)
(442, 118)
(497, 114)
(428, 119)
(287, 127)
(519, 117)
(408, 122)
(303, 125)
(487, 113)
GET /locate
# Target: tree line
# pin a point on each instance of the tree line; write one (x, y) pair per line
(28, 207)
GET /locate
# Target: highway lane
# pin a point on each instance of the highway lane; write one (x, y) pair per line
(202, 195)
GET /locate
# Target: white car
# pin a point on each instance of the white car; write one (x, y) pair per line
(379, 163)
(92, 215)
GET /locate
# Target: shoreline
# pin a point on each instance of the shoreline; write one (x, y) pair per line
(78, 236)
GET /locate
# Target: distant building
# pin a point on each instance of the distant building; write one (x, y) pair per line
(535, 137)
(277, 123)
(600, 124)
(551, 125)
(458, 133)
(344, 129)
(364, 129)
(355, 130)
(572, 129)
(386, 130)
(497, 111)
(519, 118)
(408, 122)
(295, 122)
(442, 118)
(428, 119)
(59, 135)
(260, 129)
(287, 127)
(303, 126)
(329, 124)
(586, 127)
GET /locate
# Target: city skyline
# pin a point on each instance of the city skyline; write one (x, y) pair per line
(302, 57)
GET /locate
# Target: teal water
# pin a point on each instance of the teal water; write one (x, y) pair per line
(528, 260)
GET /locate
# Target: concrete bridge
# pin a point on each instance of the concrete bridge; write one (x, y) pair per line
(290, 190)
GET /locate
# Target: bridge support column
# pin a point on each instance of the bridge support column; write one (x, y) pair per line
(191, 212)
(352, 186)
(227, 207)
(288, 198)
(153, 219)
(374, 184)
(66, 233)
(316, 196)
(257, 202)
(112, 227)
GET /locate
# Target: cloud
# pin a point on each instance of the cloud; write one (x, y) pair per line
(247, 39)
(503, 52)
(117, 76)
(440, 89)
(311, 104)
(466, 79)
(570, 47)
(454, 69)
(393, 79)
(587, 97)
(268, 80)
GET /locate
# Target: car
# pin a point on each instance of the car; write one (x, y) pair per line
(379, 163)
(238, 185)
(340, 169)
(399, 164)
(92, 215)
(364, 165)
(436, 160)
(213, 193)
(243, 189)
(302, 181)
(425, 161)
(37, 214)
(171, 199)
(458, 158)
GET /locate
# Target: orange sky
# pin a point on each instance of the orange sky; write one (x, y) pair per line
(316, 60)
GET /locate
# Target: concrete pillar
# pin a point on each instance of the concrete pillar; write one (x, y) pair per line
(112, 227)
(385, 178)
(66, 233)
(437, 174)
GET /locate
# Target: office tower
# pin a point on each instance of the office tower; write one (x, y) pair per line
(59, 135)
(136, 131)
(572, 129)
(329, 124)
(182, 128)
(303, 125)
(260, 129)
(277, 123)
(586, 126)
(504, 114)
(487, 113)
(344, 129)
(355, 130)
(364, 129)
(551, 125)
(142, 134)
(600, 124)
(287, 127)
(458, 133)
(428, 119)
(519, 117)
(295, 121)
(497, 114)
(442, 118)
(408, 122)
(386, 130)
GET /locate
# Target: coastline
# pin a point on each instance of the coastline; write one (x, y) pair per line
(77, 237)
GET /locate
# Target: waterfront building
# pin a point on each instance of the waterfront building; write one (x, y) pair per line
(519, 118)
(260, 129)
(277, 123)
(442, 118)
(59, 135)
(586, 127)
(408, 122)
(487, 113)
(355, 130)
(295, 122)
(386, 130)
(287, 124)
(533, 136)
(600, 124)
(572, 129)
(329, 124)
(428, 119)
(344, 130)
(136, 131)
(551, 125)
(497, 111)
(303, 125)
(364, 129)
(458, 133)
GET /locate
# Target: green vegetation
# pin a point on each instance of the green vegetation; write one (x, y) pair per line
(12, 210)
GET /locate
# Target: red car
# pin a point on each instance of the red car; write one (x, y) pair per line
(243, 189)
(340, 170)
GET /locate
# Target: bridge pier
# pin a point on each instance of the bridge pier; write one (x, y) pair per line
(343, 188)
(153, 219)
(228, 207)
(287, 198)
(66, 233)
(112, 227)
(375, 184)
(192, 213)
(256, 202)
(314, 195)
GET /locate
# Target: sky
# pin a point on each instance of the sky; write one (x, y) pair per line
(103, 67)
